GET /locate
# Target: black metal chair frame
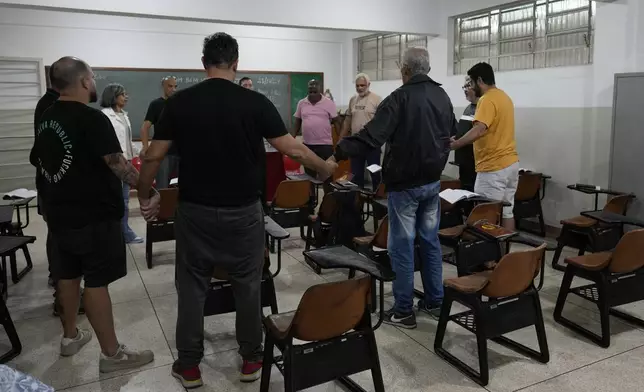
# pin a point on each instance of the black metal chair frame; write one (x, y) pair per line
(524, 209)
(304, 366)
(599, 238)
(607, 291)
(16, 229)
(12, 334)
(16, 276)
(307, 365)
(492, 319)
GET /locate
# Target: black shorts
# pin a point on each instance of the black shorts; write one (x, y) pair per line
(95, 252)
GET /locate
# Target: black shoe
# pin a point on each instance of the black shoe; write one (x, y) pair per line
(57, 309)
(432, 310)
(407, 321)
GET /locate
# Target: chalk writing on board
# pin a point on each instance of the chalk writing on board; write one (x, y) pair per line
(268, 80)
(98, 76)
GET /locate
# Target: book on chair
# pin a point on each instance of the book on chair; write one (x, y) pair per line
(492, 230)
(453, 196)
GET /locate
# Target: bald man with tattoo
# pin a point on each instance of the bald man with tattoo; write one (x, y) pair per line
(81, 165)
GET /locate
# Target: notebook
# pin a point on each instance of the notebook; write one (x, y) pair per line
(20, 193)
(453, 196)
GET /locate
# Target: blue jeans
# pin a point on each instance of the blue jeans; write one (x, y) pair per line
(128, 233)
(358, 166)
(415, 213)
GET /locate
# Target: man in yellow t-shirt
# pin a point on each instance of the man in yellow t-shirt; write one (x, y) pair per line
(495, 153)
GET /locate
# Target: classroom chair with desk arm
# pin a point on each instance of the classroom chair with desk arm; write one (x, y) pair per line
(588, 234)
(220, 298)
(336, 321)
(618, 279)
(471, 252)
(501, 301)
(527, 201)
(162, 229)
(16, 229)
(290, 206)
(9, 245)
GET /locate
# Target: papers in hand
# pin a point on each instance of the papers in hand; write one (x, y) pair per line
(374, 168)
(453, 196)
(20, 193)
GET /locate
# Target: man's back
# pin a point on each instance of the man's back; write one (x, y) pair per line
(77, 186)
(218, 129)
(496, 150)
(418, 149)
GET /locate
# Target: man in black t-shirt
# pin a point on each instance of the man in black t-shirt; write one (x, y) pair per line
(43, 104)
(464, 156)
(218, 128)
(81, 166)
(170, 165)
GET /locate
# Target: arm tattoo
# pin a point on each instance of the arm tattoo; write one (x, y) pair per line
(122, 169)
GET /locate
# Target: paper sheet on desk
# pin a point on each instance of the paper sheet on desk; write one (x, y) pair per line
(453, 196)
(374, 168)
(20, 193)
(174, 181)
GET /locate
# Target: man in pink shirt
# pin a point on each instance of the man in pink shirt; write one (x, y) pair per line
(313, 117)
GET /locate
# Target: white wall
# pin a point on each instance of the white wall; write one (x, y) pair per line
(563, 114)
(416, 16)
(122, 41)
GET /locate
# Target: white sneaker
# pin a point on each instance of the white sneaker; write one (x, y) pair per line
(124, 359)
(69, 347)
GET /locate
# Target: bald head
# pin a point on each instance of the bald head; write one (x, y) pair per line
(73, 77)
(67, 72)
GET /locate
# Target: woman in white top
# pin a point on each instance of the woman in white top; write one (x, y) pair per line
(113, 101)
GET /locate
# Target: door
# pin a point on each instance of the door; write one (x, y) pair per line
(627, 155)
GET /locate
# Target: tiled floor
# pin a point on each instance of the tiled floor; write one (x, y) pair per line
(145, 311)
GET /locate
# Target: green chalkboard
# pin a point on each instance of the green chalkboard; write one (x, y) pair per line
(284, 89)
(300, 87)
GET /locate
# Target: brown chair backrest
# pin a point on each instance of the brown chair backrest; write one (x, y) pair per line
(515, 273)
(629, 253)
(449, 184)
(381, 192)
(380, 239)
(529, 186)
(292, 194)
(331, 309)
(490, 212)
(168, 204)
(618, 204)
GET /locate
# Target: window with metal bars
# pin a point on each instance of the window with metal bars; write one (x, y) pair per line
(532, 34)
(380, 55)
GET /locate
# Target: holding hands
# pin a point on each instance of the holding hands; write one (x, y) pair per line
(150, 205)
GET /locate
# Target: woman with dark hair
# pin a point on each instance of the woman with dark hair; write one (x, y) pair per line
(113, 100)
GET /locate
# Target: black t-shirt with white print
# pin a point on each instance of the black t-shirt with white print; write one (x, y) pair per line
(78, 187)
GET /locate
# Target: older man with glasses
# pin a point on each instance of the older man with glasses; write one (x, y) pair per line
(362, 108)
(464, 156)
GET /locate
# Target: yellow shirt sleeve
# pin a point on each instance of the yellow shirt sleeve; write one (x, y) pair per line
(485, 112)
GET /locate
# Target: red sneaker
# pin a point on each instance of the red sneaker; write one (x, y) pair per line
(189, 378)
(250, 371)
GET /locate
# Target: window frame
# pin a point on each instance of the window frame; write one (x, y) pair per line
(540, 41)
(381, 71)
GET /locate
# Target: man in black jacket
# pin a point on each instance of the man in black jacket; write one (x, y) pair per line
(416, 121)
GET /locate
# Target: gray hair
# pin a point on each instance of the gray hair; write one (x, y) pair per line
(416, 59)
(110, 93)
(363, 76)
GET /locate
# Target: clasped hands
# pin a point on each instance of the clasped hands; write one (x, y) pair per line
(150, 205)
